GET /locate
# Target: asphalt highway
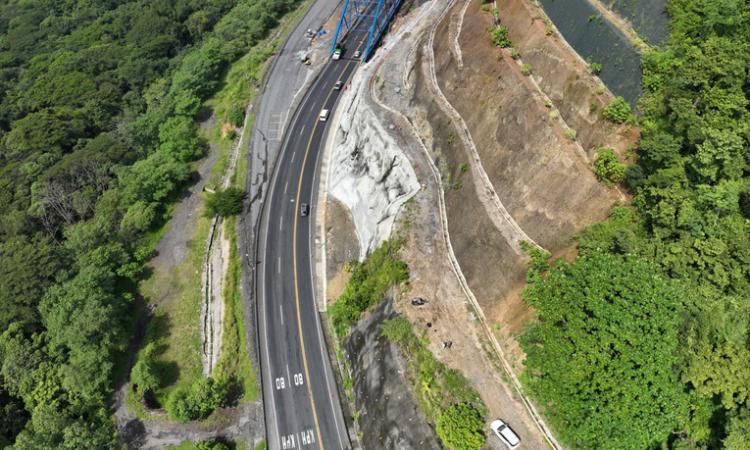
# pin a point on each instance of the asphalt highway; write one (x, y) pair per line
(302, 405)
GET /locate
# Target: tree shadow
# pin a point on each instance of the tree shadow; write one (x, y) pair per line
(204, 113)
(159, 328)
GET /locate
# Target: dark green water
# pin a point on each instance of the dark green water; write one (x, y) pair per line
(597, 40)
(648, 17)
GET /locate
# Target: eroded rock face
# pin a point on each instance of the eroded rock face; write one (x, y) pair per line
(368, 173)
(389, 415)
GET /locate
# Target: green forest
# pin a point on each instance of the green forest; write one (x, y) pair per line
(98, 109)
(643, 341)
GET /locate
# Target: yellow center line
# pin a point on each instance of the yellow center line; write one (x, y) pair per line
(294, 263)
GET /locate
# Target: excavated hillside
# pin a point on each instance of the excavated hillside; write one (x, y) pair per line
(520, 126)
(501, 156)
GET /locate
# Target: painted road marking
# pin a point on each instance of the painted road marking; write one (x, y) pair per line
(301, 438)
(278, 265)
(276, 126)
(307, 437)
(281, 223)
(313, 437)
(287, 442)
(296, 276)
(281, 313)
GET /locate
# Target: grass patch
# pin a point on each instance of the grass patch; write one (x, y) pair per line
(368, 283)
(444, 395)
(175, 327)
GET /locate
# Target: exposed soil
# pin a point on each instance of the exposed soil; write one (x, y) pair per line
(543, 178)
(342, 246)
(475, 108)
(420, 223)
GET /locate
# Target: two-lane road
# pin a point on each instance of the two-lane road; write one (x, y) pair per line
(302, 406)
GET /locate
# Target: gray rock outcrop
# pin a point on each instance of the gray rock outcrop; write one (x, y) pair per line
(368, 171)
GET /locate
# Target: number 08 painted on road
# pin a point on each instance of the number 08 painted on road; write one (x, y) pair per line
(281, 382)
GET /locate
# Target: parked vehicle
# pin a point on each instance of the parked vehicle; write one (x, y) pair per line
(508, 436)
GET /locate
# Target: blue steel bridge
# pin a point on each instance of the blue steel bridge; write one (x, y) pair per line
(369, 16)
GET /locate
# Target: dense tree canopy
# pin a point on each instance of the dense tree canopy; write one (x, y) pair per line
(97, 134)
(603, 354)
(690, 218)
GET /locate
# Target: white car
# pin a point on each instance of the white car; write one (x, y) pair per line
(505, 434)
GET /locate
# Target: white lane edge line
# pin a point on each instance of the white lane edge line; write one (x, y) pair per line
(265, 334)
(323, 353)
(281, 313)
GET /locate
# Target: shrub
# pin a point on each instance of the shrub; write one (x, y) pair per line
(499, 37)
(197, 401)
(607, 167)
(570, 134)
(596, 68)
(514, 53)
(397, 330)
(460, 427)
(145, 375)
(526, 69)
(225, 203)
(236, 116)
(617, 111)
(212, 444)
(368, 284)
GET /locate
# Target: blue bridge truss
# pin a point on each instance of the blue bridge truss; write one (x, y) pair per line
(372, 15)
